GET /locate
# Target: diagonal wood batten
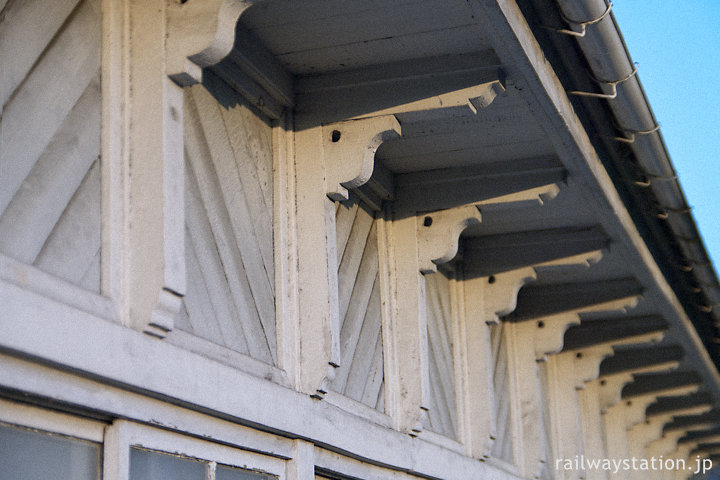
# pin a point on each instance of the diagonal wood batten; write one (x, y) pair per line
(229, 213)
(360, 375)
(442, 415)
(50, 185)
(503, 446)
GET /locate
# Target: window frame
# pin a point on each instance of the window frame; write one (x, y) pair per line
(124, 435)
(21, 415)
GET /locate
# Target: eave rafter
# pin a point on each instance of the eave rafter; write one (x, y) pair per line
(471, 80)
(619, 370)
(550, 310)
(616, 331)
(533, 179)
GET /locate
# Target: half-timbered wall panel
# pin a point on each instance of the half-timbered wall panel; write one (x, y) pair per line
(50, 137)
(442, 416)
(229, 239)
(360, 375)
(503, 447)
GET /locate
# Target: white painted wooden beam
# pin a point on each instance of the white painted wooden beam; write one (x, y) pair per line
(472, 80)
(543, 301)
(563, 373)
(533, 179)
(318, 310)
(617, 331)
(492, 254)
(592, 428)
(524, 389)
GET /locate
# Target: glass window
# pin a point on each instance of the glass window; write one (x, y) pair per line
(224, 472)
(145, 465)
(31, 455)
(150, 465)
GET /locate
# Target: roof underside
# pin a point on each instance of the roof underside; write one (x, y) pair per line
(338, 54)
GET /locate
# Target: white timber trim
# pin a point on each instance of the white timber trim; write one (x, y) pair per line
(480, 425)
(123, 435)
(285, 243)
(28, 416)
(115, 154)
(416, 244)
(319, 323)
(105, 361)
(152, 148)
(35, 281)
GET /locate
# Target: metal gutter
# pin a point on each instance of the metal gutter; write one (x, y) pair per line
(613, 70)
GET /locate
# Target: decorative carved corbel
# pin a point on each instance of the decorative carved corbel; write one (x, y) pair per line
(200, 33)
(665, 445)
(439, 235)
(650, 428)
(163, 316)
(586, 363)
(636, 398)
(348, 150)
(567, 373)
(611, 385)
(636, 407)
(536, 330)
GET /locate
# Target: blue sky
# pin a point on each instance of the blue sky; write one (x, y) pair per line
(677, 48)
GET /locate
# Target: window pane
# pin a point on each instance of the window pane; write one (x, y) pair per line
(31, 455)
(145, 465)
(224, 472)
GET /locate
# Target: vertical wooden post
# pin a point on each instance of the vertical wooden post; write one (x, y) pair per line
(479, 398)
(409, 327)
(317, 268)
(156, 257)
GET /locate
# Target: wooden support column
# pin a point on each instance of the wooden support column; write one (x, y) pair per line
(332, 157)
(650, 430)
(592, 428)
(566, 374)
(589, 394)
(635, 400)
(479, 401)
(165, 48)
(537, 328)
(417, 243)
(302, 465)
(328, 160)
(495, 268)
(576, 426)
(155, 260)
